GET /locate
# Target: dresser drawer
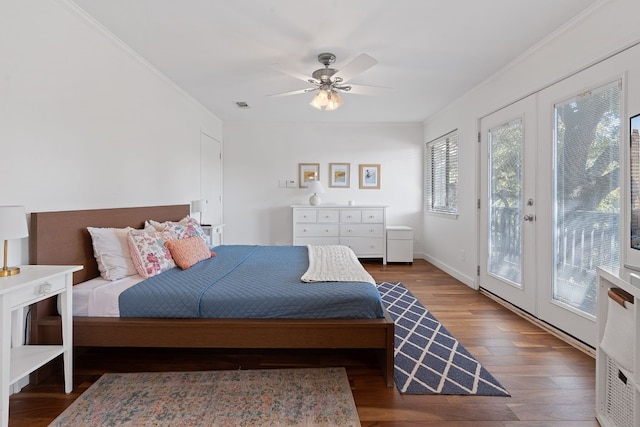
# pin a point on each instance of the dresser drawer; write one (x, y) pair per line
(364, 246)
(38, 291)
(372, 216)
(309, 240)
(362, 230)
(325, 216)
(317, 230)
(351, 216)
(305, 215)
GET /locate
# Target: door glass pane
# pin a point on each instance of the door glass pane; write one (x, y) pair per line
(505, 145)
(587, 194)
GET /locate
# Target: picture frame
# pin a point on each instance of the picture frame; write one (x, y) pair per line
(308, 172)
(369, 176)
(339, 175)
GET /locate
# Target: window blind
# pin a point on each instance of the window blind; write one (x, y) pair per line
(441, 174)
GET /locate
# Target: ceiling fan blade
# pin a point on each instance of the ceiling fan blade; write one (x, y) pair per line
(294, 74)
(294, 92)
(355, 67)
(366, 89)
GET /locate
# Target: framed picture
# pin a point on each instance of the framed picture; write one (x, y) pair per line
(339, 175)
(370, 177)
(308, 172)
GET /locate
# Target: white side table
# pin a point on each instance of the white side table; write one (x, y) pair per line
(34, 283)
(213, 234)
(399, 243)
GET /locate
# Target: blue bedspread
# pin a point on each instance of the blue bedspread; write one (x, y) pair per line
(249, 282)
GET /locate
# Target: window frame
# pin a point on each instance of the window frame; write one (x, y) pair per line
(434, 201)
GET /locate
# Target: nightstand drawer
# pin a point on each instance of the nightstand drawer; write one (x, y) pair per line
(37, 291)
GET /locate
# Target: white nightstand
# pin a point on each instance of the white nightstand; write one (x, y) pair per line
(34, 283)
(399, 243)
(213, 234)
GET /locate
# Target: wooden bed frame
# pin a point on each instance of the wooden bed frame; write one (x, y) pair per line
(61, 238)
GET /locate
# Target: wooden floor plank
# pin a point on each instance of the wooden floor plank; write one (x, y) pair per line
(551, 383)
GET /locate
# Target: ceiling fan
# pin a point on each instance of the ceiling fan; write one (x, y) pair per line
(329, 82)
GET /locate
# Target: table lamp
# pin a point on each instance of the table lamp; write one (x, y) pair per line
(199, 206)
(13, 225)
(316, 188)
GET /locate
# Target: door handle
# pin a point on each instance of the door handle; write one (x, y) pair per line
(529, 217)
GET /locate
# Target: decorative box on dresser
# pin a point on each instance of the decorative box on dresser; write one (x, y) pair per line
(618, 350)
(34, 283)
(362, 228)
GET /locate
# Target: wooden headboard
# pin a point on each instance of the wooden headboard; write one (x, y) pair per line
(61, 238)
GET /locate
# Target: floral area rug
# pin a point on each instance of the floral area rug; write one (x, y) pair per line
(274, 397)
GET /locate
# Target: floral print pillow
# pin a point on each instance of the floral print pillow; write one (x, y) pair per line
(186, 227)
(148, 252)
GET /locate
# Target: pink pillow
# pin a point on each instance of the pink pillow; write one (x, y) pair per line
(189, 251)
(148, 252)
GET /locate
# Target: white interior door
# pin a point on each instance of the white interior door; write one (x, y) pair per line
(211, 179)
(508, 204)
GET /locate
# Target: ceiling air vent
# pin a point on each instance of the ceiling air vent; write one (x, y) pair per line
(242, 104)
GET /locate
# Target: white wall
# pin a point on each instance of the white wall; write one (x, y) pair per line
(605, 30)
(257, 155)
(84, 123)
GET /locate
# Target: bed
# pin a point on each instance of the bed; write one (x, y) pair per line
(61, 238)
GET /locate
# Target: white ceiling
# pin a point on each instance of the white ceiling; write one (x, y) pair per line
(429, 52)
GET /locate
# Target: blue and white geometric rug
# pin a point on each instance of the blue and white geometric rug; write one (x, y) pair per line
(428, 359)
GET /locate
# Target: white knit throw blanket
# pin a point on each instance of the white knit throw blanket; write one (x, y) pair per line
(335, 263)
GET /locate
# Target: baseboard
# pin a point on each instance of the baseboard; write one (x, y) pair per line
(467, 280)
(569, 339)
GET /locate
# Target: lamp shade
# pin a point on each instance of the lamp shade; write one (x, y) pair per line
(315, 187)
(198, 206)
(335, 101)
(13, 223)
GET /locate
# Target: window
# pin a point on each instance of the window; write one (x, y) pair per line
(441, 174)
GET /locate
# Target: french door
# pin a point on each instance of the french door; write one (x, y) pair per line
(550, 201)
(581, 227)
(508, 203)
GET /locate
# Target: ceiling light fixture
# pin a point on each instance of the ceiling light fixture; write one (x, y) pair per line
(327, 99)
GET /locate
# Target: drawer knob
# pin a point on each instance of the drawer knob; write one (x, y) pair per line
(45, 288)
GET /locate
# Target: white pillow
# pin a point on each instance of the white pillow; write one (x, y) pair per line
(111, 251)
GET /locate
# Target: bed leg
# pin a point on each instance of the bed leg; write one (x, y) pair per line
(389, 361)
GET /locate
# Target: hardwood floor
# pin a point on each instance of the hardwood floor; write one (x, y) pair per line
(551, 383)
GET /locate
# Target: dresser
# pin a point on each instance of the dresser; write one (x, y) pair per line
(17, 360)
(362, 228)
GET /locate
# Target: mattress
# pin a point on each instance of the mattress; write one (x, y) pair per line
(244, 281)
(99, 297)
